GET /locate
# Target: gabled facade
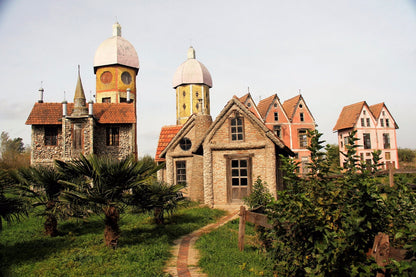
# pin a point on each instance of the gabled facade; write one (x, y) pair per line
(66, 130)
(376, 130)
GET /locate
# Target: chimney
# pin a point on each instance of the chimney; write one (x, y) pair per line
(128, 95)
(64, 108)
(41, 90)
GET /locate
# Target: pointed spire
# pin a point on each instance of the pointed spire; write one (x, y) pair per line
(80, 107)
(116, 30)
(191, 53)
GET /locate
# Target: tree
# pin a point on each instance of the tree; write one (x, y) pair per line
(13, 152)
(42, 186)
(11, 207)
(158, 197)
(104, 186)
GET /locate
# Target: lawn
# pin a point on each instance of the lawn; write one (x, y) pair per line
(143, 247)
(220, 256)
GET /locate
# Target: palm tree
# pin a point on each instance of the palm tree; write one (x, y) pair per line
(158, 197)
(105, 187)
(41, 185)
(11, 208)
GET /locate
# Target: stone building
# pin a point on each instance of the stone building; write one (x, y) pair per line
(219, 160)
(108, 127)
(376, 130)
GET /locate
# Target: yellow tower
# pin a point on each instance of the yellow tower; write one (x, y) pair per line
(192, 82)
(116, 65)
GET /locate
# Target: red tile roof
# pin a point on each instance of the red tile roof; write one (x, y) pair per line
(290, 105)
(105, 113)
(166, 135)
(376, 109)
(349, 116)
(264, 105)
(244, 98)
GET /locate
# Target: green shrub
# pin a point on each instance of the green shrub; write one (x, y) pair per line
(406, 155)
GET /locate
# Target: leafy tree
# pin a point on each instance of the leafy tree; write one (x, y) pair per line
(332, 152)
(42, 186)
(259, 198)
(159, 198)
(13, 152)
(104, 187)
(325, 226)
(11, 206)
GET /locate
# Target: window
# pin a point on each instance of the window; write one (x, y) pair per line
(300, 106)
(304, 165)
(362, 156)
(184, 93)
(364, 112)
(181, 172)
(387, 156)
(386, 141)
(345, 141)
(106, 99)
(236, 128)
(362, 122)
(249, 104)
(239, 186)
(275, 105)
(185, 144)
(387, 122)
(301, 117)
(123, 100)
(277, 131)
(368, 122)
(126, 77)
(367, 141)
(303, 139)
(112, 136)
(51, 135)
(383, 113)
(381, 122)
(77, 138)
(276, 116)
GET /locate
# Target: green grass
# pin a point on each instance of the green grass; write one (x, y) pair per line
(220, 256)
(143, 247)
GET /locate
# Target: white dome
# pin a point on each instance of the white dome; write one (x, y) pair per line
(116, 50)
(191, 72)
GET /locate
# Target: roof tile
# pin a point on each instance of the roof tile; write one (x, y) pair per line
(167, 133)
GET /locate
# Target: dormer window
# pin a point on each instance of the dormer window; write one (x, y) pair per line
(236, 128)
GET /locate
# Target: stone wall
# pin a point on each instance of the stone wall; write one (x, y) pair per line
(126, 144)
(41, 153)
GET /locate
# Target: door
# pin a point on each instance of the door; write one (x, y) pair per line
(239, 180)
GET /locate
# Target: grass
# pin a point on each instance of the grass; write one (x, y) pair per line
(220, 256)
(143, 247)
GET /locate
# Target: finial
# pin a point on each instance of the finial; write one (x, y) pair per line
(299, 91)
(248, 89)
(64, 95)
(191, 53)
(116, 30)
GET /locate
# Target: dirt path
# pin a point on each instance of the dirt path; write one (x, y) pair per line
(185, 256)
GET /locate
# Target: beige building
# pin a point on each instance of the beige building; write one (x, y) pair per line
(218, 160)
(66, 130)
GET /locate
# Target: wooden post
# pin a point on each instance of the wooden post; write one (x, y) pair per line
(241, 228)
(391, 174)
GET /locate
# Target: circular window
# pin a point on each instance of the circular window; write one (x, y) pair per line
(126, 77)
(300, 106)
(106, 77)
(275, 105)
(185, 144)
(249, 104)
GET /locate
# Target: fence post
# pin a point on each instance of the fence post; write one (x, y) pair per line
(391, 174)
(241, 228)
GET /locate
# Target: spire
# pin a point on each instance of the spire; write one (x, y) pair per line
(116, 30)
(80, 107)
(191, 53)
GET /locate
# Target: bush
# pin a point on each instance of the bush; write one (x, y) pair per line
(406, 155)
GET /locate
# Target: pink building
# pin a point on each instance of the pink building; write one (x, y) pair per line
(376, 130)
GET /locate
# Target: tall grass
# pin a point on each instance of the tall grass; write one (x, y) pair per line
(143, 247)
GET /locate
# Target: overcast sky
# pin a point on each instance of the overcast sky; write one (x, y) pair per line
(336, 52)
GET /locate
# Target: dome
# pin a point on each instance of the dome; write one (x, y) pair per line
(191, 72)
(116, 50)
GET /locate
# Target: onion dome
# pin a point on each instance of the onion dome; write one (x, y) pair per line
(192, 72)
(116, 50)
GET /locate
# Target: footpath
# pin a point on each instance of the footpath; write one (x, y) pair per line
(185, 256)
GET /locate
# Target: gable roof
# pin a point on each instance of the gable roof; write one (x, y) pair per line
(376, 111)
(167, 133)
(290, 106)
(349, 116)
(221, 118)
(245, 99)
(105, 113)
(264, 105)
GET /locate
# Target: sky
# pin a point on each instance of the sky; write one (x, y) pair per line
(335, 53)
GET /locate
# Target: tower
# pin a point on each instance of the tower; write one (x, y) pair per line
(116, 65)
(191, 82)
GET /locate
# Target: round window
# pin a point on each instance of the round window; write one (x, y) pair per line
(106, 77)
(126, 77)
(185, 144)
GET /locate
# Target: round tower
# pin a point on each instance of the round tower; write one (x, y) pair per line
(192, 82)
(116, 65)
